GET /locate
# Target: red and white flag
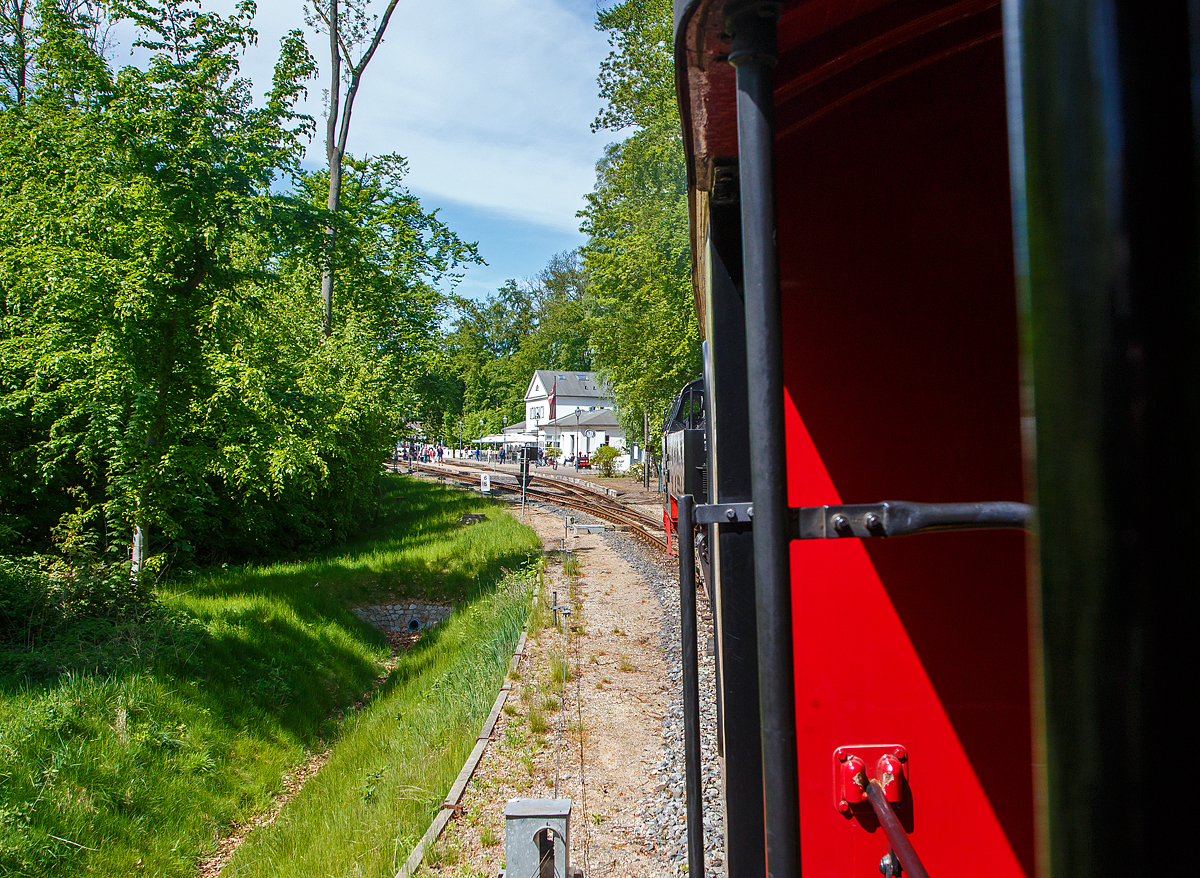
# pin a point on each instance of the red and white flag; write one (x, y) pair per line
(553, 390)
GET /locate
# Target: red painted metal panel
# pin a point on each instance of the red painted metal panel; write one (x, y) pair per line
(902, 377)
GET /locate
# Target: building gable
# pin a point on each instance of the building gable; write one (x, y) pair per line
(586, 385)
(535, 389)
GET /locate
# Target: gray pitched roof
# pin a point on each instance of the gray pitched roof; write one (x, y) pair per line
(585, 384)
(597, 418)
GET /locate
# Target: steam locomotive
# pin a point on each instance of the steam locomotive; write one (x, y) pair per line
(946, 265)
(684, 459)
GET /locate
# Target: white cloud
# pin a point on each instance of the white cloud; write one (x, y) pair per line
(490, 100)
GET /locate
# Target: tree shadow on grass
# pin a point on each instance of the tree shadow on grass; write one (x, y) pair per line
(248, 661)
(280, 640)
(418, 551)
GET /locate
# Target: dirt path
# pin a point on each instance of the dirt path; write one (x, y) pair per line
(618, 691)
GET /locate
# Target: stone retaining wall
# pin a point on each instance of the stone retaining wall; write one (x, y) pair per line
(411, 616)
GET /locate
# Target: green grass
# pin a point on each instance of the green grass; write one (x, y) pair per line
(537, 721)
(127, 748)
(560, 670)
(408, 745)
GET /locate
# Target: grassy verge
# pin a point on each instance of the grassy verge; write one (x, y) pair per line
(126, 746)
(393, 766)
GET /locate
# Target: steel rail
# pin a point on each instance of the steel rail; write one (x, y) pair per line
(580, 493)
(595, 504)
(572, 487)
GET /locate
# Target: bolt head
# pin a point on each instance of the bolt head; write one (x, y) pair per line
(730, 514)
(840, 523)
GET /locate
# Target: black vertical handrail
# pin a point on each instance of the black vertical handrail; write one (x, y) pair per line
(895, 833)
(754, 53)
(691, 686)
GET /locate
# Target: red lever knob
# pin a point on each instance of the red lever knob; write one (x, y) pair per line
(888, 772)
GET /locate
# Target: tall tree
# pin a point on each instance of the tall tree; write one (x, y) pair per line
(494, 345)
(642, 321)
(128, 202)
(16, 53)
(350, 27)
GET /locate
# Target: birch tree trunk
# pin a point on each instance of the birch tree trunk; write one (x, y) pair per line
(334, 156)
(337, 127)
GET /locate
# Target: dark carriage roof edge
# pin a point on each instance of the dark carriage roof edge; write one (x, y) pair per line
(683, 10)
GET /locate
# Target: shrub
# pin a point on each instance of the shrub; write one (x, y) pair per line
(605, 460)
(57, 617)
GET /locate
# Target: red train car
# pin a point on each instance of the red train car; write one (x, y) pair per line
(946, 269)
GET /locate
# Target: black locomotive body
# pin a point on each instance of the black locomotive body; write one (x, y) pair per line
(685, 469)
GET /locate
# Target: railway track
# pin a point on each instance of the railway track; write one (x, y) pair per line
(560, 492)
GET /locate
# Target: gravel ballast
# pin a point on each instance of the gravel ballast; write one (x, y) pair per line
(662, 810)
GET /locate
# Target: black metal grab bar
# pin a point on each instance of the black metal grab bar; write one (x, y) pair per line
(900, 518)
(896, 836)
(891, 518)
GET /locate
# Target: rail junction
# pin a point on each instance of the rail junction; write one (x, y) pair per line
(557, 490)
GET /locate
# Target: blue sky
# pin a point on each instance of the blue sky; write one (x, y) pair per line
(490, 101)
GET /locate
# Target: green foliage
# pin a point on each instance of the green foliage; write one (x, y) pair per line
(410, 743)
(537, 721)
(231, 678)
(642, 324)
(161, 359)
(55, 616)
(604, 459)
(495, 345)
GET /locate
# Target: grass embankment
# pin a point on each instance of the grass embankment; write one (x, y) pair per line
(154, 736)
(394, 764)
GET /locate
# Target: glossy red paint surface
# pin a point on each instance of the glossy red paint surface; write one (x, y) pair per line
(900, 334)
(856, 764)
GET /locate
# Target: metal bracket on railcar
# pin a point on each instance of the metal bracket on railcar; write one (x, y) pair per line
(889, 519)
(892, 518)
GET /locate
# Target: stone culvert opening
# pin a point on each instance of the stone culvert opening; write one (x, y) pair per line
(403, 622)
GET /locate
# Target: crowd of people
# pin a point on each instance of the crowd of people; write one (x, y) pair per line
(421, 452)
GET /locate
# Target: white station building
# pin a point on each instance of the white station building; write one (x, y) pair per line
(571, 411)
